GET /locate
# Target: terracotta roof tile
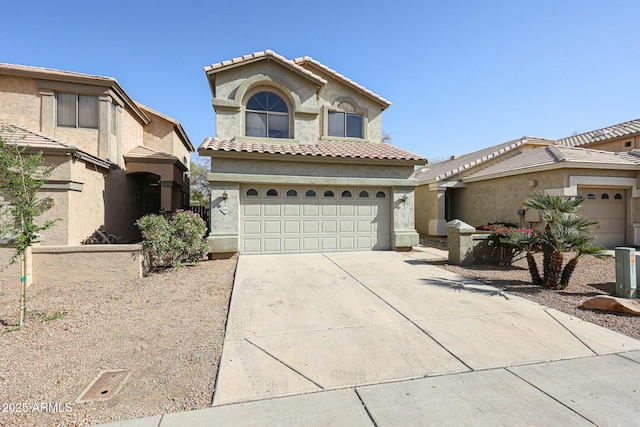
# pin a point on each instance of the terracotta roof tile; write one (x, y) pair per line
(449, 168)
(141, 152)
(263, 55)
(308, 59)
(622, 129)
(555, 154)
(323, 148)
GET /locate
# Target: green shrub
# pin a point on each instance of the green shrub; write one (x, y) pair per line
(173, 239)
(508, 239)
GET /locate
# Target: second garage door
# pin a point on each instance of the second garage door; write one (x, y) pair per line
(608, 207)
(290, 219)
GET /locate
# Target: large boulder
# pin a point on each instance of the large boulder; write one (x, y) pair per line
(608, 303)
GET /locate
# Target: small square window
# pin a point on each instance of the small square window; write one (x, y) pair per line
(627, 144)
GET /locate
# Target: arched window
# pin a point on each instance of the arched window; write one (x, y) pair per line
(381, 195)
(252, 192)
(363, 195)
(618, 196)
(604, 196)
(328, 193)
(591, 196)
(346, 193)
(267, 116)
(292, 193)
(272, 193)
(310, 193)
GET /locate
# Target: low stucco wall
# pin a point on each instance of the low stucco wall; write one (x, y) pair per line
(87, 263)
(10, 274)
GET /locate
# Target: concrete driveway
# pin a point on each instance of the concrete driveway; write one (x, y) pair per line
(382, 338)
(312, 322)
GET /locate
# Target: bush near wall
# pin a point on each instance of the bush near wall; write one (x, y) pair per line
(171, 239)
(504, 238)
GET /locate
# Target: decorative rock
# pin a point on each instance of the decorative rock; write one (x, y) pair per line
(608, 303)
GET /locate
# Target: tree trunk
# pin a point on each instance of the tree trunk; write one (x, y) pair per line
(568, 272)
(555, 269)
(23, 288)
(533, 270)
(547, 252)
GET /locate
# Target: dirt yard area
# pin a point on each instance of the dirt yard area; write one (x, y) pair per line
(166, 329)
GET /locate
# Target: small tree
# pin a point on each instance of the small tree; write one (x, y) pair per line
(564, 231)
(22, 174)
(199, 184)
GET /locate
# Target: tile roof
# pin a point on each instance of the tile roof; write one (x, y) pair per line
(146, 153)
(323, 148)
(622, 129)
(257, 56)
(24, 137)
(442, 170)
(307, 59)
(555, 154)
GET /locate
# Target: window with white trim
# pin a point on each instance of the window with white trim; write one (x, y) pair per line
(267, 116)
(76, 111)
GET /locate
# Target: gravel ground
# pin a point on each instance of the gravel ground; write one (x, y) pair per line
(167, 329)
(592, 277)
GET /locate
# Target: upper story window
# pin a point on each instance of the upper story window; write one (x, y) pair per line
(346, 125)
(267, 116)
(77, 111)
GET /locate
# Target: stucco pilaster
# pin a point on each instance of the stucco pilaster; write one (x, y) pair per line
(48, 111)
(104, 128)
(225, 218)
(404, 233)
(166, 195)
(437, 227)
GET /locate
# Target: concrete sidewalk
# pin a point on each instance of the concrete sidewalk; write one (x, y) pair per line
(385, 338)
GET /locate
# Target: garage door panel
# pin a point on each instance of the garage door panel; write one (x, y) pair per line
(252, 246)
(311, 244)
(291, 244)
(272, 227)
(272, 244)
(346, 226)
(310, 226)
(314, 222)
(347, 243)
(329, 226)
(310, 210)
(329, 210)
(291, 226)
(252, 227)
(329, 243)
(251, 210)
(291, 210)
(363, 226)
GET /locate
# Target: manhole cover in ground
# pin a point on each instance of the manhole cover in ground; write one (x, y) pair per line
(104, 387)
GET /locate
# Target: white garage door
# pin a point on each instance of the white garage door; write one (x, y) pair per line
(290, 219)
(608, 207)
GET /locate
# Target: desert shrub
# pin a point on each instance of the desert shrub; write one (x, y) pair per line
(173, 239)
(507, 239)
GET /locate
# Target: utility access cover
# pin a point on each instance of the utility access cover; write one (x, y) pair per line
(104, 386)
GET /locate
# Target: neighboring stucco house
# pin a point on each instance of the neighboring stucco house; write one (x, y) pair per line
(115, 160)
(298, 163)
(605, 174)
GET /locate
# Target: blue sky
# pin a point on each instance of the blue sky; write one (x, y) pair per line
(462, 75)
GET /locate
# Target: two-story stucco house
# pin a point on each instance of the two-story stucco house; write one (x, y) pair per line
(115, 160)
(298, 163)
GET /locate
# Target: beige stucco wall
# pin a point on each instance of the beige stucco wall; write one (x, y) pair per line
(499, 199)
(19, 102)
(234, 86)
(617, 144)
(131, 134)
(86, 207)
(426, 208)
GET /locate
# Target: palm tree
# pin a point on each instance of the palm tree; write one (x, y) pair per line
(564, 231)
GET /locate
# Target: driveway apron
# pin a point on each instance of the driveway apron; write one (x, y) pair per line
(304, 323)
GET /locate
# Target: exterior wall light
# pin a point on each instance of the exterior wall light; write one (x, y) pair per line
(225, 195)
